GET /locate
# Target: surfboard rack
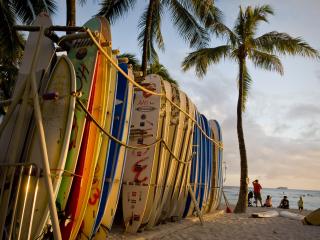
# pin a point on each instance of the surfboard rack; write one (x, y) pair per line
(12, 192)
(31, 82)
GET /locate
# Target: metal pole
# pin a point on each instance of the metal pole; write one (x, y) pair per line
(16, 201)
(43, 149)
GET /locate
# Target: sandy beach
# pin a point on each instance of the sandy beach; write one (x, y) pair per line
(225, 226)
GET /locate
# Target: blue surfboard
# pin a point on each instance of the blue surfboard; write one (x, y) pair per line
(120, 109)
(194, 176)
(207, 160)
(203, 164)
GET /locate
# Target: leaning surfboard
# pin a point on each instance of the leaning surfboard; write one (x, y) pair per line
(140, 170)
(217, 176)
(13, 137)
(57, 127)
(174, 144)
(180, 190)
(163, 158)
(93, 98)
(107, 78)
(184, 190)
(208, 160)
(115, 158)
(18, 117)
(195, 166)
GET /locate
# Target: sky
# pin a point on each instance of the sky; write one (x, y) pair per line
(282, 120)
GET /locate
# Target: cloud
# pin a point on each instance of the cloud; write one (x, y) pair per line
(303, 111)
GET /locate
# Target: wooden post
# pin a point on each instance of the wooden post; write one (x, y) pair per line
(193, 198)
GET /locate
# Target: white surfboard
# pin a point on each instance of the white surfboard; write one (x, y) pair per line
(175, 144)
(14, 134)
(291, 215)
(163, 159)
(266, 214)
(141, 165)
(57, 114)
(181, 188)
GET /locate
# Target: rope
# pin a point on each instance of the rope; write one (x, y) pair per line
(109, 135)
(125, 144)
(218, 143)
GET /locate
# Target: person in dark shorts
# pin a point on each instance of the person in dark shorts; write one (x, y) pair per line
(284, 203)
(257, 192)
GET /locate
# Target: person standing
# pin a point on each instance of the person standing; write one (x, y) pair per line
(257, 192)
(300, 204)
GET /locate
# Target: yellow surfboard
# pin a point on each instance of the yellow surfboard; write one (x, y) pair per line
(181, 174)
(107, 76)
(174, 143)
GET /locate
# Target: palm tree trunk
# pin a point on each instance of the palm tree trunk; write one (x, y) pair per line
(242, 203)
(71, 13)
(146, 40)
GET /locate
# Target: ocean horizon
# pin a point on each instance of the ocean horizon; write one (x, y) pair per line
(311, 198)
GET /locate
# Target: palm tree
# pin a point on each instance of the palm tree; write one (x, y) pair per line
(156, 67)
(12, 42)
(186, 16)
(243, 45)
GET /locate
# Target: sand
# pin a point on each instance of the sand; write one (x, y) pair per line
(226, 226)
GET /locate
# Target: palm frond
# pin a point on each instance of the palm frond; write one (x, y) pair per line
(155, 32)
(188, 28)
(253, 16)
(206, 11)
(283, 43)
(238, 28)
(204, 57)
(219, 29)
(114, 9)
(27, 10)
(133, 60)
(157, 68)
(266, 61)
(9, 38)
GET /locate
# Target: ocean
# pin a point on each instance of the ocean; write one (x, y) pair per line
(311, 198)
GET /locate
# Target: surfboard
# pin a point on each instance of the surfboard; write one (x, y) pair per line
(294, 216)
(195, 166)
(267, 214)
(116, 156)
(91, 142)
(175, 144)
(180, 194)
(57, 127)
(83, 55)
(141, 165)
(203, 165)
(214, 169)
(163, 159)
(18, 117)
(15, 132)
(160, 151)
(208, 161)
(179, 168)
(217, 177)
(108, 79)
